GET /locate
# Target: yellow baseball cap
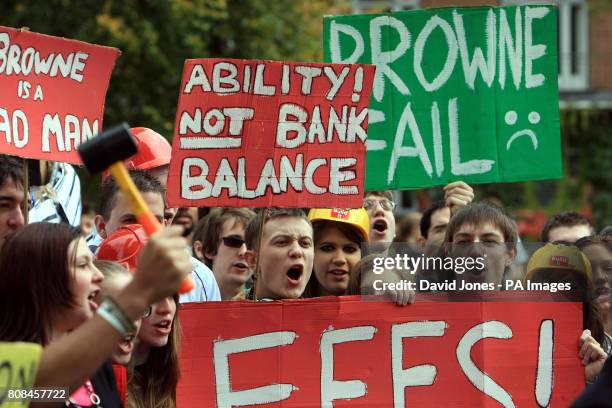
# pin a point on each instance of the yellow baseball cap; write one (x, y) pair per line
(358, 218)
(559, 256)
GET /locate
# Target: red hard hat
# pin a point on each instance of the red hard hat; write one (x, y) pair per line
(153, 151)
(123, 246)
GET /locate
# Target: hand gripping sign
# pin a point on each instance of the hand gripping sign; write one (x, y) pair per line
(53, 92)
(267, 133)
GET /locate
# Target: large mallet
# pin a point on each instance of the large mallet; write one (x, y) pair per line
(109, 150)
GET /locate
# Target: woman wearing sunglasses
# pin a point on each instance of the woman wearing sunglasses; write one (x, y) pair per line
(218, 241)
(154, 368)
(338, 236)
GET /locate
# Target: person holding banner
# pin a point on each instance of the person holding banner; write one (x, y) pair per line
(486, 235)
(286, 253)
(338, 236)
(559, 264)
(218, 241)
(71, 283)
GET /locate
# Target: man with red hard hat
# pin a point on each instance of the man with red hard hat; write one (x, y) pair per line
(153, 155)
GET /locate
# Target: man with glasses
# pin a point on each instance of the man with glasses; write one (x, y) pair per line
(380, 205)
(218, 241)
(115, 210)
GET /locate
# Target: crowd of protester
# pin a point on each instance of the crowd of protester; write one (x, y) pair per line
(66, 286)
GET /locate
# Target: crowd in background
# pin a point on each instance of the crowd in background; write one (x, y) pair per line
(74, 275)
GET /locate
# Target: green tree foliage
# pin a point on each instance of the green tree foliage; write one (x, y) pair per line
(156, 36)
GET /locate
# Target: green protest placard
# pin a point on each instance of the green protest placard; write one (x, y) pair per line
(459, 93)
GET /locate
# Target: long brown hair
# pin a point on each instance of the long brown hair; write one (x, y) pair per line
(153, 384)
(313, 287)
(36, 280)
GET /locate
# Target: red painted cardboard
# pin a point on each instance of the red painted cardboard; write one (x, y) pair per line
(53, 92)
(445, 345)
(254, 133)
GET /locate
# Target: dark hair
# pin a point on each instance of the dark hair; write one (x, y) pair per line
(591, 314)
(208, 229)
(251, 235)
(144, 181)
(564, 219)
(606, 231)
(425, 223)
(11, 168)
(36, 280)
(351, 233)
(388, 194)
(479, 213)
(153, 383)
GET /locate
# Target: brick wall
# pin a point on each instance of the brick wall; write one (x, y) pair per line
(600, 32)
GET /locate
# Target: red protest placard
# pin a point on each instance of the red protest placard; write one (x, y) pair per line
(345, 352)
(266, 133)
(53, 92)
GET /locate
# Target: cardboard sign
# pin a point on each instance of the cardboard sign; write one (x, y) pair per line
(53, 92)
(18, 366)
(265, 133)
(345, 352)
(459, 93)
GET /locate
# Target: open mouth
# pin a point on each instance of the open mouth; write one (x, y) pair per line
(93, 294)
(93, 305)
(164, 324)
(295, 273)
(380, 226)
(339, 274)
(240, 265)
(602, 293)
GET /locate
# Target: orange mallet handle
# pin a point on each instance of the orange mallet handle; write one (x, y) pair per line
(144, 216)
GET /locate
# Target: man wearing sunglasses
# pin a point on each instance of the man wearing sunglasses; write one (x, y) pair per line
(218, 241)
(115, 211)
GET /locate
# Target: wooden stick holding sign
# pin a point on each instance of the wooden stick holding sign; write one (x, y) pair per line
(264, 214)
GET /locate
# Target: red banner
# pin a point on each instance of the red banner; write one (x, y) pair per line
(53, 92)
(265, 133)
(346, 352)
